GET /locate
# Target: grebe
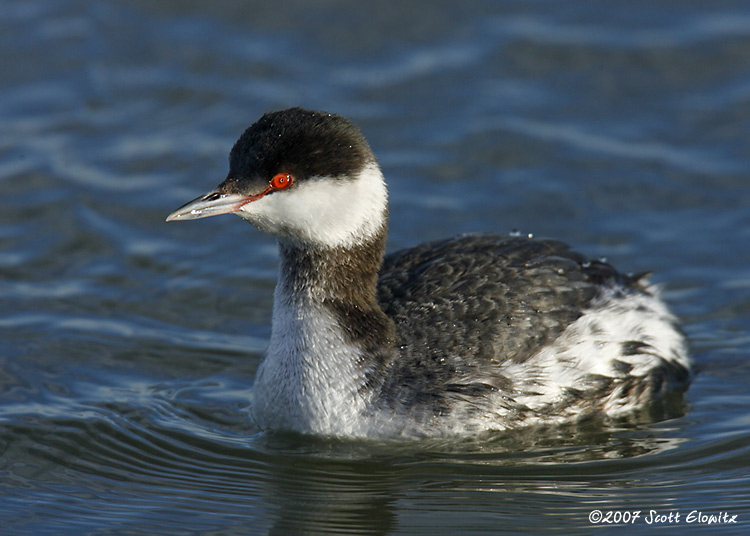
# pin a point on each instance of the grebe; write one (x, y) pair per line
(473, 333)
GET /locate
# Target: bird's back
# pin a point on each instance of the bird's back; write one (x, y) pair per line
(472, 313)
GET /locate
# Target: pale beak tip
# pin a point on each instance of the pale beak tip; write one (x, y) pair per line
(211, 204)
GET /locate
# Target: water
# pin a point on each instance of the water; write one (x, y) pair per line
(128, 346)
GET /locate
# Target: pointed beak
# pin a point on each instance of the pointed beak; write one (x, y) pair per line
(211, 204)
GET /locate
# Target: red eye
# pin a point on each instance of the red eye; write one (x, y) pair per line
(281, 181)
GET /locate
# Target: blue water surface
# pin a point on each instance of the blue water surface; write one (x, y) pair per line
(128, 346)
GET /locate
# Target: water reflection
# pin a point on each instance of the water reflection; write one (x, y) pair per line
(188, 463)
(355, 487)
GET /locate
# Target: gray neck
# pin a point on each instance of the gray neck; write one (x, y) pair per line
(330, 340)
(342, 281)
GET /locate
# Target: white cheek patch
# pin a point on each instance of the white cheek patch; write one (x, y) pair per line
(324, 211)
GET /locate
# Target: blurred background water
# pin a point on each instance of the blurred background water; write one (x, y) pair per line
(128, 346)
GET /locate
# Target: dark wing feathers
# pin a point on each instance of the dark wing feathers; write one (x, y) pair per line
(493, 298)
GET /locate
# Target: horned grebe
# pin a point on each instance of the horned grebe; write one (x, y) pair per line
(458, 336)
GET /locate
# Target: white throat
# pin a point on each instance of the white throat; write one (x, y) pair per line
(309, 380)
(322, 211)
